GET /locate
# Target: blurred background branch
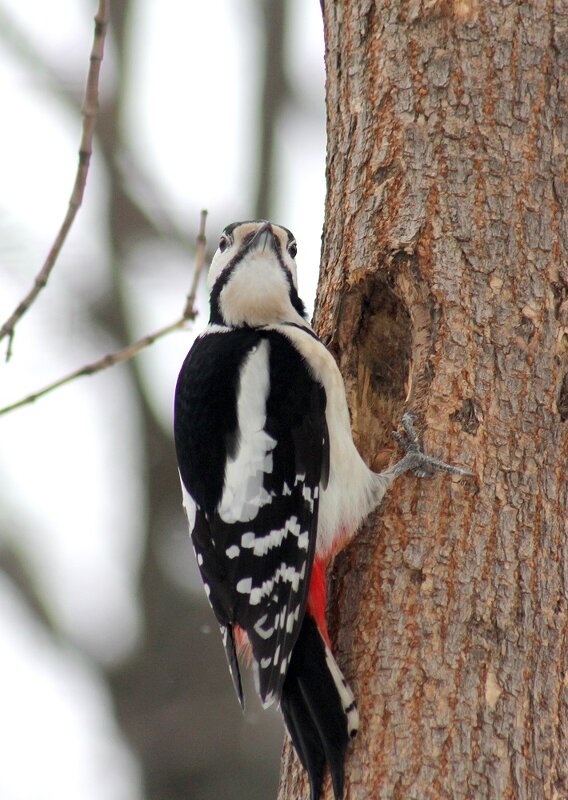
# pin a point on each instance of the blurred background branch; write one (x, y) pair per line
(89, 111)
(275, 92)
(131, 350)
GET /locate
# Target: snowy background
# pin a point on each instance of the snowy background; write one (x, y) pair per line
(113, 679)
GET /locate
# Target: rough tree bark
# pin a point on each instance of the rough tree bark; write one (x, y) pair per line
(444, 289)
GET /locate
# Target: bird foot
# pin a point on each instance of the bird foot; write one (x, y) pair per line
(415, 460)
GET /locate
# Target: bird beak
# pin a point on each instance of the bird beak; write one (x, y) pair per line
(263, 237)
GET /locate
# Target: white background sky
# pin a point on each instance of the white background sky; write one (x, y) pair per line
(69, 496)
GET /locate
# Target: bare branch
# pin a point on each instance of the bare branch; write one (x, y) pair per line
(90, 110)
(129, 352)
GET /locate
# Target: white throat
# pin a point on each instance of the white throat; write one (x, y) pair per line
(257, 294)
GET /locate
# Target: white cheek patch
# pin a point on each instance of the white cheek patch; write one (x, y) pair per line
(244, 493)
(219, 262)
(291, 266)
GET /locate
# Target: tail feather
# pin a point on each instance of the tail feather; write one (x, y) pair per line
(228, 635)
(319, 709)
(304, 734)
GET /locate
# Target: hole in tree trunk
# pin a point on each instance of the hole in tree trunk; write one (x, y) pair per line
(375, 337)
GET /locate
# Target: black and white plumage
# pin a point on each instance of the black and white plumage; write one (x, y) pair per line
(273, 485)
(253, 471)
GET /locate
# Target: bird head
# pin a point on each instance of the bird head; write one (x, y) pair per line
(252, 278)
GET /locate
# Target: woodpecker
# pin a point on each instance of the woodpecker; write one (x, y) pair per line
(273, 486)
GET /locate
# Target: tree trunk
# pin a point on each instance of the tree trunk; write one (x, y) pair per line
(444, 289)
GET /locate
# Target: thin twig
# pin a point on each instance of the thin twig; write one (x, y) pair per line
(200, 251)
(90, 111)
(129, 352)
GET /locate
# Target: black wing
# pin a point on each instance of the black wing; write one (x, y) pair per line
(256, 537)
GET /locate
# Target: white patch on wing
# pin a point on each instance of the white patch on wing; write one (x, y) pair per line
(248, 539)
(264, 633)
(285, 573)
(255, 597)
(244, 494)
(269, 699)
(260, 545)
(244, 586)
(303, 540)
(189, 506)
(308, 496)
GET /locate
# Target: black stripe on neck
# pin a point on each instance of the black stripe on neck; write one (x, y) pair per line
(293, 292)
(215, 316)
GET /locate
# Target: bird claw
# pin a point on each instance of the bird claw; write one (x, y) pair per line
(415, 460)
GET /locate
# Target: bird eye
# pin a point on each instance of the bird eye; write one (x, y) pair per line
(293, 249)
(223, 243)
